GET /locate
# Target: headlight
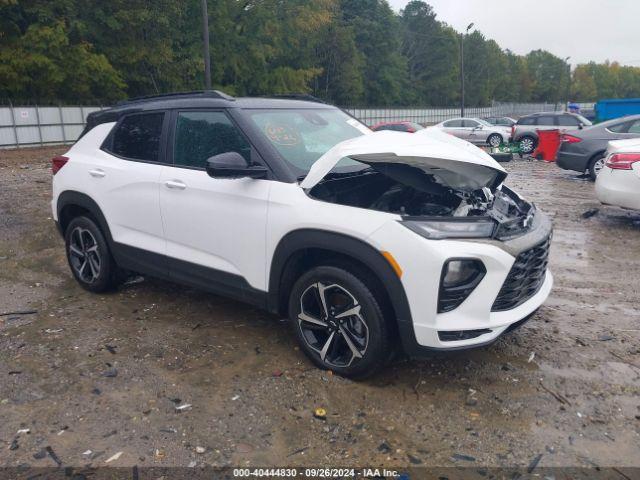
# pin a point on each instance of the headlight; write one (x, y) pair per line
(463, 228)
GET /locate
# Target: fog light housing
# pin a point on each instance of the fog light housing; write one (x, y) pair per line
(459, 278)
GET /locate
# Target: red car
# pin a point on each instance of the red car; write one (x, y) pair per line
(410, 127)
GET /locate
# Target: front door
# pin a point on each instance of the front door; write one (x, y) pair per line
(215, 228)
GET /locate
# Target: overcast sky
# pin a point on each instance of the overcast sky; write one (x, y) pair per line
(582, 29)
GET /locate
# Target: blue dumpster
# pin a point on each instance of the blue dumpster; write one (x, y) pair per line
(616, 108)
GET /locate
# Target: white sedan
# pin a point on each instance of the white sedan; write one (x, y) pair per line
(619, 181)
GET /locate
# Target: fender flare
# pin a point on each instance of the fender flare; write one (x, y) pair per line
(303, 239)
(71, 197)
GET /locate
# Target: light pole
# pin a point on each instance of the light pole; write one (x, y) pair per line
(566, 60)
(462, 35)
(205, 40)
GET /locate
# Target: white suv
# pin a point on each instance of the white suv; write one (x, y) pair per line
(367, 241)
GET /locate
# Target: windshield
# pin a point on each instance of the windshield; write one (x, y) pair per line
(302, 136)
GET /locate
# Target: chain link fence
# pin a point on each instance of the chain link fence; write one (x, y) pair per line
(33, 125)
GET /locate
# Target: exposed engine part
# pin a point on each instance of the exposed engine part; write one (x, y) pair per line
(419, 196)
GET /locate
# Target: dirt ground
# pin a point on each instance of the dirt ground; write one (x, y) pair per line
(93, 375)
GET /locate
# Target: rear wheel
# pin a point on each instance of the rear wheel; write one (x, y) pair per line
(494, 140)
(527, 144)
(595, 166)
(89, 256)
(339, 322)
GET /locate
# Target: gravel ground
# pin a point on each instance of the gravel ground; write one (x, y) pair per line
(105, 373)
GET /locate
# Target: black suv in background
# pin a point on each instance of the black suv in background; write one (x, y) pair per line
(525, 130)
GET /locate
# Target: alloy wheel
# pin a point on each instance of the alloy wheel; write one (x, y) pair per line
(84, 254)
(526, 145)
(598, 166)
(332, 324)
(494, 141)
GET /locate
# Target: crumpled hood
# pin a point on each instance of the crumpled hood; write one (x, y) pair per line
(451, 161)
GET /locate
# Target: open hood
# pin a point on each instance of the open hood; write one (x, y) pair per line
(451, 162)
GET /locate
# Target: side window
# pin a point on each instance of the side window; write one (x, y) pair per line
(453, 124)
(470, 123)
(546, 121)
(138, 137)
(527, 121)
(634, 127)
(201, 135)
(619, 127)
(569, 120)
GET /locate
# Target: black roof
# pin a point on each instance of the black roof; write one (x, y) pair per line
(200, 99)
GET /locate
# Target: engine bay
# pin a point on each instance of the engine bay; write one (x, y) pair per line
(420, 195)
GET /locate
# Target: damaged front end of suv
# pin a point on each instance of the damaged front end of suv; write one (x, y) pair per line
(441, 186)
(475, 264)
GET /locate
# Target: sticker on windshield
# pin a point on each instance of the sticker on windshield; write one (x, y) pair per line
(282, 134)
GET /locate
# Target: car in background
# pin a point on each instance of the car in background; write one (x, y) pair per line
(410, 127)
(619, 181)
(584, 150)
(525, 133)
(502, 121)
(475, 130)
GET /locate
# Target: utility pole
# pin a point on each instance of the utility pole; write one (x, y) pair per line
(462, 35)
(566, 107)
(205, 40)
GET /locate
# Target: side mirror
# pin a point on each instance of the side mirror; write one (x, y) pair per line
(233, 165)
(580, 125)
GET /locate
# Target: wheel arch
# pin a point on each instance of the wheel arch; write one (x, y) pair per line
(303, 249)
(72, 204)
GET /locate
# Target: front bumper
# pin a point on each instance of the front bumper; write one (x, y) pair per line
(422, 261)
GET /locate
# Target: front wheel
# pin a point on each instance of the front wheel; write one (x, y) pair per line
(494, 140)
(339, 322)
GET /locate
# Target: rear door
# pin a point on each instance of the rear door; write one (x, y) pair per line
(454, 127)
(124, 181)
(215, 228)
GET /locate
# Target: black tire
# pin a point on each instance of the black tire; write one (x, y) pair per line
(595, 165)
(366, 331)
(89, 257)
(527, 144)
(494, 138)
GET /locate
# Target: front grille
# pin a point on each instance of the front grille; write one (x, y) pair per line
(525, 278)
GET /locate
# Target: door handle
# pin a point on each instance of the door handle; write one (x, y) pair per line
(98, 173)
(175, 184)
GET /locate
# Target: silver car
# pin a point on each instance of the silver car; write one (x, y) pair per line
(476, 130)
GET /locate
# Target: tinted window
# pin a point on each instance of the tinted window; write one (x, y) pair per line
(569, 120)
(453, 124)
(201, 135)
(138, 137)
(546, 121)
(470, 123)
(619, 127)
(634, 127)
(527, 121)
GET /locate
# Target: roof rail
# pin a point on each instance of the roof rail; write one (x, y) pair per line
(201, 93)
(296, 96)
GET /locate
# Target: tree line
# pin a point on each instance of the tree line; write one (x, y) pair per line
(348, 52)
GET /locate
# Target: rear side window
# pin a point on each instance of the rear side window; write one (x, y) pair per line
(470, 123)
(546, 121)
(201, 135)
(453, 123)
(527, 121)
(634, 127)
(569, 120)
(138, 137)
(619, 127)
